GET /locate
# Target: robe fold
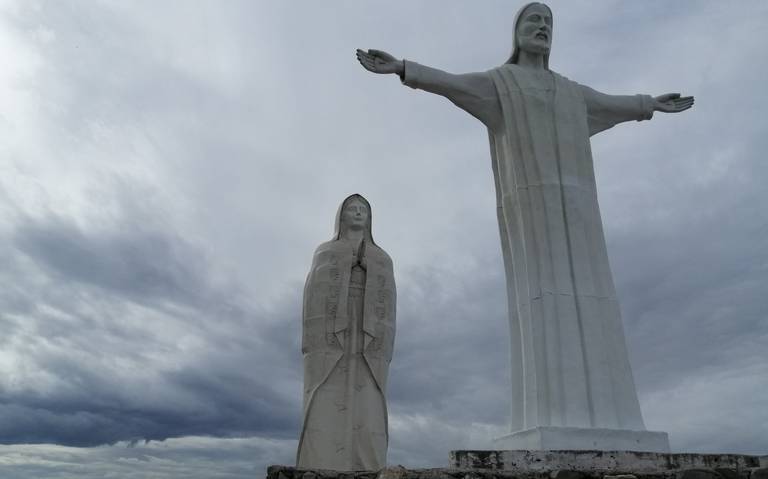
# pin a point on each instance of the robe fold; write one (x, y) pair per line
(570, 365)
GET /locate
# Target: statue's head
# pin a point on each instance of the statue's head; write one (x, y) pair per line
(533, 31)
(354, 214)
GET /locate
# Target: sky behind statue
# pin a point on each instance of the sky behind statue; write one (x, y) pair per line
(159, 159)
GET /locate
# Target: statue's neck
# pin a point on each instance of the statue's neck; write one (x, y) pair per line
(531, 60)
(354, 234)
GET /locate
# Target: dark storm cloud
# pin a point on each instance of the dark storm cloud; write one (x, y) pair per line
(191, 458)
(100, 383)
(222, 405)
(144, 266)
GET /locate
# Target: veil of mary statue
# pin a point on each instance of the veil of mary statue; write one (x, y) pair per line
(348, 337)
(570, 367)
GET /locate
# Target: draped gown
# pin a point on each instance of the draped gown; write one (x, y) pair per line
(348, 337)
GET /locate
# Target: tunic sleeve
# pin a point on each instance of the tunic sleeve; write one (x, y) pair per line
(605, 111)
(473, 92)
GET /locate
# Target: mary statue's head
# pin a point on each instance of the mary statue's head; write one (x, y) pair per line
(533, 32)
(354, 215)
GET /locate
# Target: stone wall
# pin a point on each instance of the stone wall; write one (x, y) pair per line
(285, 472)
(560, 465)
(608, 462)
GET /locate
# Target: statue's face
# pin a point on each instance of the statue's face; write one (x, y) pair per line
(534, 29)
(355, 214)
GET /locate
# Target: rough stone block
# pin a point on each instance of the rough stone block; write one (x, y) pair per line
(730, 473)
(699, 474)
(566, 474)
(607, 462)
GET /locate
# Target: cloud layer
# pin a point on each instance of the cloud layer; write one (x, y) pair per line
(168, 169)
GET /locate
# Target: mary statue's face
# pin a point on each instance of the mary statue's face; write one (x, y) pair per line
(355, 215)
(534, 29)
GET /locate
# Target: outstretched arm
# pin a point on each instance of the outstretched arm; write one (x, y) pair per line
(472, 92)
(605, 111)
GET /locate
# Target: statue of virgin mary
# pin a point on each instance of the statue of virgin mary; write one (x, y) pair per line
(348, 335)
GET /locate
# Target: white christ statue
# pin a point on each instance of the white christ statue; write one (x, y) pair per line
(572, 385)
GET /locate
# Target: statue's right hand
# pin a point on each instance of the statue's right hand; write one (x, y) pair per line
(378, 61)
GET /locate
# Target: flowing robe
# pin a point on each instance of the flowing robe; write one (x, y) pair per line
(347, 342)
(570, 365)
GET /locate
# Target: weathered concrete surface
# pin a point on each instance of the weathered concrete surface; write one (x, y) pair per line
(614, 462)
(583, 438)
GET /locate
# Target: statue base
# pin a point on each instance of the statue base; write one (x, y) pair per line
(602, 462)
(582, 439)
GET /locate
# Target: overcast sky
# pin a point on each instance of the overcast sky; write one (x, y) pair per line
(167, 169)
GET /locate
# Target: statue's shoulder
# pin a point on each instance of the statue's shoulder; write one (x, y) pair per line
(505, 69)
(327, 250)
(386, 257)
(326, 246)
(561, 77)
(381, 256)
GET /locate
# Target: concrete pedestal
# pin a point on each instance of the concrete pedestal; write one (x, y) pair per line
(601, 462)
(580, 439)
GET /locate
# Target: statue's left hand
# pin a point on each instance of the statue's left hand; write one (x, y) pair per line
(672, 103)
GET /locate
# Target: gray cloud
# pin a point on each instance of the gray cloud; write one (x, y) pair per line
(194, 458)
(101, 383)
(139, 265)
